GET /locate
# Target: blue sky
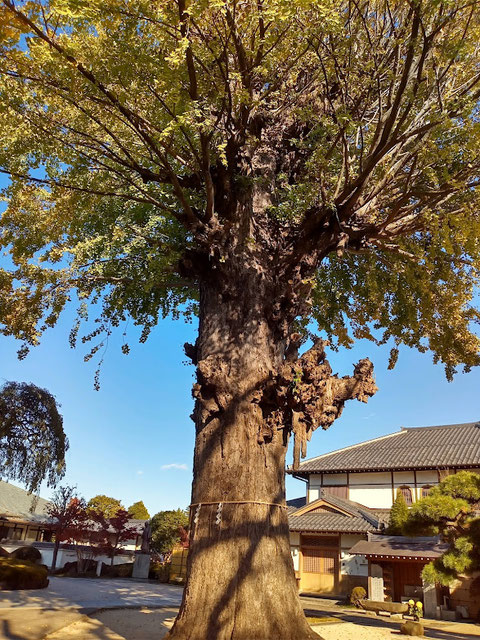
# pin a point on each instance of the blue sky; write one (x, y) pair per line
(133, 439)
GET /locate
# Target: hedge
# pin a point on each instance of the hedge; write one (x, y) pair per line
(118, 570)
(27, 553)
(22, 574)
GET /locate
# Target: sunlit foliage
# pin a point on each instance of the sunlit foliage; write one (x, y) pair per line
(127, 130)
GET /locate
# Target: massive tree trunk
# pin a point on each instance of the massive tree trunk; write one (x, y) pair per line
(252, 392)
(241, 583)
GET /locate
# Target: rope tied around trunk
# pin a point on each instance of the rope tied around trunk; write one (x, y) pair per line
(220, 503)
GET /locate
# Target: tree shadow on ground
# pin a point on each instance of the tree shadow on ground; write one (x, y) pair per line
(121, 624)
(7, 633)
(371, 622)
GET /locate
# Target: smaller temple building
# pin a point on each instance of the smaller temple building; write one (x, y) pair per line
(322, 533)
(336, 529)
(395, 566)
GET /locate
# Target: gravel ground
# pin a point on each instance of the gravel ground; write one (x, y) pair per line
(350, 631)
(146, 624)
(120, 624)
(90, 593)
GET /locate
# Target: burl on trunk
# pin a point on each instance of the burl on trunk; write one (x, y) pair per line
(252, 391)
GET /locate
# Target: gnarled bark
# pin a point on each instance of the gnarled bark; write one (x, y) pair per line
(241, 583)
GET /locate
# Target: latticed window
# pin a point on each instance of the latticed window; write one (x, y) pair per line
(426, 490)
(407, 494)
(319, 561)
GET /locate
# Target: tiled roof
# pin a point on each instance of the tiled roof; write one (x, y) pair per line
(455, 445)
(329, 522)
(296, 503)
(400, 547)
(18, 503)
(357, 519)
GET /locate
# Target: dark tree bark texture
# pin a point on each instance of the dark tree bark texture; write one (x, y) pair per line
(252, 392)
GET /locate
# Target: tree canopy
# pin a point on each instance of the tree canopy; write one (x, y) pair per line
(138, 511)
(280, 167)
(67, 511)
(130, 129)
(166, 529)
(113, 532)
(451, 511)
(32, 440)
(105, 505)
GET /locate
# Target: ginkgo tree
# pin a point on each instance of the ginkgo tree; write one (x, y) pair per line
(281, 168)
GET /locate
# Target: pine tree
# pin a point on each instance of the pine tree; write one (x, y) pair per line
(450, 511)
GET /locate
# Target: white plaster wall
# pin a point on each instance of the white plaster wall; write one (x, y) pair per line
(294, 538)
(370, 477)
(427, 477)
(352, 565)
(295, 557)
(66, 555)
(378, 497)
(334, 478)
(347, 540)
(315, 480)
(313, 487)
(403, 477)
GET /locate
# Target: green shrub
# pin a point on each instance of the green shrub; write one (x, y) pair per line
(27, 553)
(118, 570)
(159, 571)
(3, 553)
(22, 574)
(358, 593)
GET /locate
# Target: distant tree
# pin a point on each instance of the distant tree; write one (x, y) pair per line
(451, 511)
(184, 535)
(113, 532)
(32, 440)
(105, 505)
(138, 511)
(67, 513)
(167, 529)
(398, 515)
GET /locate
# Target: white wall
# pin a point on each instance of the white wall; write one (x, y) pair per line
(379, 497)
(351, 565)
(65, 555)
(334, 478)
(295, 548)
(372, 489)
